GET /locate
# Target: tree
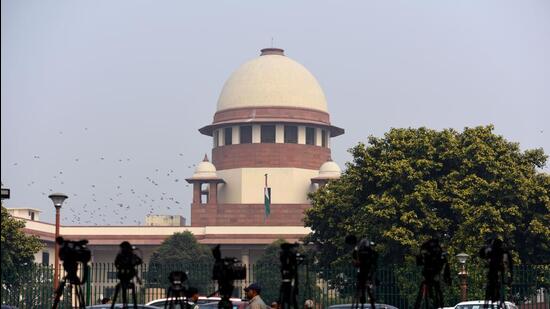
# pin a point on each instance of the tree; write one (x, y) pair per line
(181, 251)
(267, 272)
(413, 184)
(17, 253)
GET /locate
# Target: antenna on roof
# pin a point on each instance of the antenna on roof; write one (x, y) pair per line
(271, 42)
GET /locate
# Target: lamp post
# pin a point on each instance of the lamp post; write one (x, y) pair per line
(57, 199)
(463, 275)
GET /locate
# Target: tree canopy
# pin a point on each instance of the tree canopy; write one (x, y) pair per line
(181, 251)
(413, 184)
(18, 249)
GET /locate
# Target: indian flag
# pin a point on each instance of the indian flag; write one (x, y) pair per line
(267, 201)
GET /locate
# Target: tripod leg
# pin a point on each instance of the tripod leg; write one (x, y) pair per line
(134, 296)
(80, 297)
(438, 295)
(58, 293)
(370, 293)
(124, 296)
(117, 290)
(420, 295)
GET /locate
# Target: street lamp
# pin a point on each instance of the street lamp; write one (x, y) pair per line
(463, 275)
(57, 199)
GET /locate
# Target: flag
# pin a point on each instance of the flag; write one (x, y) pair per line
(267, 201)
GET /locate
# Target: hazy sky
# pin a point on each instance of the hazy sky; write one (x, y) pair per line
(103, 99)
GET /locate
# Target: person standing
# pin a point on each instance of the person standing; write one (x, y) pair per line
(253, 294)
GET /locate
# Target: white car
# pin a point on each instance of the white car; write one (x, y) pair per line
(482, 304)
(237, 302)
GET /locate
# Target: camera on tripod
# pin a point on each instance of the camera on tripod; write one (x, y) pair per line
(126, 262)
(72, 253)
(225, 271)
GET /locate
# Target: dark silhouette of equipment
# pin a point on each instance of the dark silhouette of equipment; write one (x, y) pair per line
(225, 271)
(176, 292)
(73, 253)
(365, 259)
(500, 273)
(434, 261)
(126, 262)
(290, 259)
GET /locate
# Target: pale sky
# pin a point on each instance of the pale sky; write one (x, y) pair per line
(132, 81)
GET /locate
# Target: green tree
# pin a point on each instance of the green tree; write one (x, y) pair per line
(412, 184)
(182, 252)
(17, 253)
(267, 272)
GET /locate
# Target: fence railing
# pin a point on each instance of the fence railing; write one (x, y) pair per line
(397, 285)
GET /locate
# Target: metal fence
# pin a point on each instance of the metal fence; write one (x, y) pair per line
(397, 285)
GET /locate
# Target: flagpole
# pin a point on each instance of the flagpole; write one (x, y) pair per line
(265, 190)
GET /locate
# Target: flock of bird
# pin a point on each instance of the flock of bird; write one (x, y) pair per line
(121, 201)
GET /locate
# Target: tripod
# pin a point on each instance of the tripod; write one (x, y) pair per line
(288, 292)
(430, 289)
(125, 285)
(362, 288)
(73, 281)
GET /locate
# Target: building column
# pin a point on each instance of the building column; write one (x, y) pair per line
(213, 193)
(197, 193)
(245, 259)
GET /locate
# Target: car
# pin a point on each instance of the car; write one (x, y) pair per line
(203, 302)
(367, 306)
(119, 306)
(480, 304)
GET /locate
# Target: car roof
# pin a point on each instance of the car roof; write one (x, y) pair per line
(214, 298)
(477, 302)
(367, 306)
(118, 306)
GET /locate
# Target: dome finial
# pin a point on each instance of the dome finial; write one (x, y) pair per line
(272, 51)
(205, 158)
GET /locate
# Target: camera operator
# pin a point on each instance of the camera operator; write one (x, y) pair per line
(500, 262)
(253, 294)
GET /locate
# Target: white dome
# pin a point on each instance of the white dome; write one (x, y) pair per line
(272, 80)
(205, 169)
(329, 169)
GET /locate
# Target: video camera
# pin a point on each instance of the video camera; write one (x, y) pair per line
(177, 278)
(72, 253)
(498, 257)
(290, 259)
(228, 268)
(434, 260)
(364, 256)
